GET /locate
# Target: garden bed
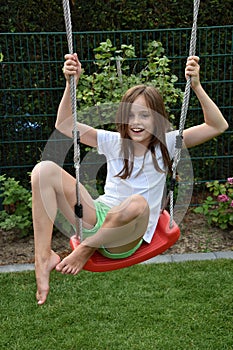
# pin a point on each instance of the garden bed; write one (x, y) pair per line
(196, 236)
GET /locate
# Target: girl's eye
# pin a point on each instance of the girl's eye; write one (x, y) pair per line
(142, 116)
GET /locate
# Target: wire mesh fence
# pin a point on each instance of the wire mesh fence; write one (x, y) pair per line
(32, 83)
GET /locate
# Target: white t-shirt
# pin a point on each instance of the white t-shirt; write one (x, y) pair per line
(148, 182)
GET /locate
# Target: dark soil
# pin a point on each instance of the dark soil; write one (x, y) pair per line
(196, 236)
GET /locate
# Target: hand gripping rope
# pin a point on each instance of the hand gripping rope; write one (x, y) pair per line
(167, 232)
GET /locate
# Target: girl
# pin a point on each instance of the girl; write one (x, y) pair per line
(138, 158)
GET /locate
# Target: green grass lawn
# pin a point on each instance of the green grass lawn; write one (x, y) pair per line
(152, 307)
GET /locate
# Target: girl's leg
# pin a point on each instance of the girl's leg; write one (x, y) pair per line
(122, 229)
(53, 188)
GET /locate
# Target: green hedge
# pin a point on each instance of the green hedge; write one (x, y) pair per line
(33, 15)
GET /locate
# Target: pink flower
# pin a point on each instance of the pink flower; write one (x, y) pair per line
(223, 198)
(231, 205)
(230, 180)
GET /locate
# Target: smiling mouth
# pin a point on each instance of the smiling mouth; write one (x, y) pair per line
(137, 130)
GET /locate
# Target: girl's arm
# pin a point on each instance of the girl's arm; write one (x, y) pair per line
(214, 122)
(64, 122)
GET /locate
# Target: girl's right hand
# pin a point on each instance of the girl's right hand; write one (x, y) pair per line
(193, 70)
(72, 66)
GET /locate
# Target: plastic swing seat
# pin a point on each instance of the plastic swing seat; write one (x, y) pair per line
(163, 238)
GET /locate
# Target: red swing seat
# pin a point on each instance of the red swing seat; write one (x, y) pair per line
(164, 237)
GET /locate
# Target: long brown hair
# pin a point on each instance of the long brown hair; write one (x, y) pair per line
(155, 103)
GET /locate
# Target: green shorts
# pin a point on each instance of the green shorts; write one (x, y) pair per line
(101, 212)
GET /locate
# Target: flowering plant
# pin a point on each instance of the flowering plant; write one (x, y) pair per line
(219, 208)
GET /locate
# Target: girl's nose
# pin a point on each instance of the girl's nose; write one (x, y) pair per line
(135, 119)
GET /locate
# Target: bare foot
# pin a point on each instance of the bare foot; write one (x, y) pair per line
(43, 267)
(75, 261)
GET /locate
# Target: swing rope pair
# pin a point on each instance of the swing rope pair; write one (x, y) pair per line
(167, 232)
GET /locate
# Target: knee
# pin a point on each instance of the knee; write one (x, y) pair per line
(138, 205)
(133, 208)
(42, 170)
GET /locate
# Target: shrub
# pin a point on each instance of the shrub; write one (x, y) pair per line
(116, 72)
(218, 208)
(17, 206)
(99, 93)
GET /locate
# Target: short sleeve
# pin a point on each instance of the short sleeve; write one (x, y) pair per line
(108, 142)
(171, 142)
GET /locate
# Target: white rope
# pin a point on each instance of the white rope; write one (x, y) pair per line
(184, 109)
(78, 207)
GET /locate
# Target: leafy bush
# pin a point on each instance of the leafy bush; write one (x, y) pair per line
(219, 208)
(117, 72)
(17, 206)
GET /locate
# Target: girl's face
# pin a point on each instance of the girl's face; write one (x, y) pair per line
(141, 122)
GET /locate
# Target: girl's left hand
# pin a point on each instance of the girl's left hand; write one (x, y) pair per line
(192, 70)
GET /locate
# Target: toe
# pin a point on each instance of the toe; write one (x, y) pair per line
(67, 269)
(41, 297)
(60, 266)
